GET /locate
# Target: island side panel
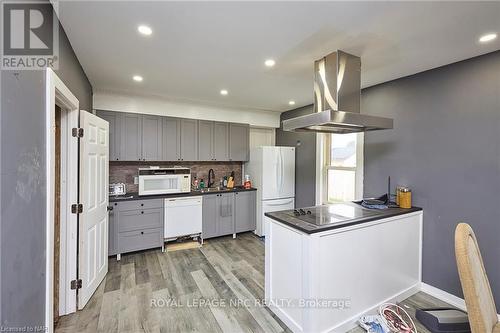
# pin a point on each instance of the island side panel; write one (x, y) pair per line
(284, 272)
(368, 265)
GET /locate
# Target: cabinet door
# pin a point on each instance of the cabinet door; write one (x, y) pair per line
(205, 140)
(245, 211)
(131, 220)
(112, 230)
(210, 213)
(171, 139)
(113, 118)
(130, 145)
(225, 223)
(151, 138)
(189, 140)
(221, 142)
(239, 137)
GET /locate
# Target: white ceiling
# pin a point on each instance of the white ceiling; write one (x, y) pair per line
(198, 48)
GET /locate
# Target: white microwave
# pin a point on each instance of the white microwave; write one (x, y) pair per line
(164, 180)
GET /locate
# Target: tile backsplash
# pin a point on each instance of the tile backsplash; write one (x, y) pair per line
(124, 172)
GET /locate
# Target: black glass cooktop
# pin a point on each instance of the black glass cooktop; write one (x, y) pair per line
(331, 214)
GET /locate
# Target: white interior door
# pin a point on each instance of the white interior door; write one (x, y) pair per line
(93, 221)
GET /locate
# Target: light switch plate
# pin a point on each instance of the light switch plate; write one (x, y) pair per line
(136, 180)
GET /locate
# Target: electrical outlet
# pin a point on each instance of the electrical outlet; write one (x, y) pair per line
(136, 180)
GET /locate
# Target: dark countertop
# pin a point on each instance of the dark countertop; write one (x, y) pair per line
(135, 196)
(310, 228)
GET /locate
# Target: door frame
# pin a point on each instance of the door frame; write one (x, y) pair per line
(58, 93)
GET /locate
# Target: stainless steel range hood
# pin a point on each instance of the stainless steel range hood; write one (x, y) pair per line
(337, 92)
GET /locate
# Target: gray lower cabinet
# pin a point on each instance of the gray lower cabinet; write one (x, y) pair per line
(112, 232)
(225, 206)
(152, 139)
(130, 139)
(209, 216)
(218, 215)
(114, 119)
(171, 142)
(189, 140)
(239, 142)
(245, 213)
(228, 213)
(136, 225)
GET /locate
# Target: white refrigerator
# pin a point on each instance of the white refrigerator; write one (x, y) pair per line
(272, 172)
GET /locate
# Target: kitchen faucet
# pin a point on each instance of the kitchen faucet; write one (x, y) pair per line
(211, 177)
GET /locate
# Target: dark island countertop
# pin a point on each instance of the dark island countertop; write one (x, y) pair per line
(135, 196)
(288, 219)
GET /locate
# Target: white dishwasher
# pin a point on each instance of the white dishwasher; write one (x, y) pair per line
(183, 217)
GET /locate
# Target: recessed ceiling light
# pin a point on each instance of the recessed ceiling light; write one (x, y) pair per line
(145, 30)
(270, 63)
(291, 103)
(223, 92)
(137, 78)
(487, 38)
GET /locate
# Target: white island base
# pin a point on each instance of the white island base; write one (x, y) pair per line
(343, 273)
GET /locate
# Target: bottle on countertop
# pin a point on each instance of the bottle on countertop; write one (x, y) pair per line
(196, 184)
(248, 183)
(202, 184)
(224, 182)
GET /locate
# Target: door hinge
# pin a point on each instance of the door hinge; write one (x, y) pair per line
(77, 208)
(77, 132)
(76, 284)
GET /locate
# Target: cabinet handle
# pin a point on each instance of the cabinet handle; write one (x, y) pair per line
(116, 204)
(142, 212)
(142, 232)
(142, 204)
(117, 159)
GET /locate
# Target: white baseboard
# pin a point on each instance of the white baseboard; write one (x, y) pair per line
(445, 296)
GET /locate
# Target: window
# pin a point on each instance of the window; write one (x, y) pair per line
(343, 167)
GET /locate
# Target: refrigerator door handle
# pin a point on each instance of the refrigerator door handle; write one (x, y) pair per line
(282, 172)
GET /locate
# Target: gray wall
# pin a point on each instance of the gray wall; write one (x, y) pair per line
(23, 184)
(446, 146)
(305, 167)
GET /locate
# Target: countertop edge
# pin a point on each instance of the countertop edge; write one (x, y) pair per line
(135, 196)
(348, 224)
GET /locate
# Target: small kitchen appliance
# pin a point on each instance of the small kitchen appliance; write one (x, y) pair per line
(164, 180)
(117, 189)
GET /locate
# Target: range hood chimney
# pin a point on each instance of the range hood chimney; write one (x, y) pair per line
(337, 92)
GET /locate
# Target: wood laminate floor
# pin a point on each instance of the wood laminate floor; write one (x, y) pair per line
(216, 288)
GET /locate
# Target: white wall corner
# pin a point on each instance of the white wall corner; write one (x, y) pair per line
(112, 101)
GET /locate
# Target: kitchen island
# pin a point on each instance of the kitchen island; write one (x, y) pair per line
(326, 266)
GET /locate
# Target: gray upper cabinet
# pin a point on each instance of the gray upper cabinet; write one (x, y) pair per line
(113, 118)
(131, 138)
(141, 137)
(239, 142)
(245, 211)
(221, 141)
(213, 141)
(225, 223)
(210, 213)
(205, 140)
(189, 140)
(171, 142)
(151, 138)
